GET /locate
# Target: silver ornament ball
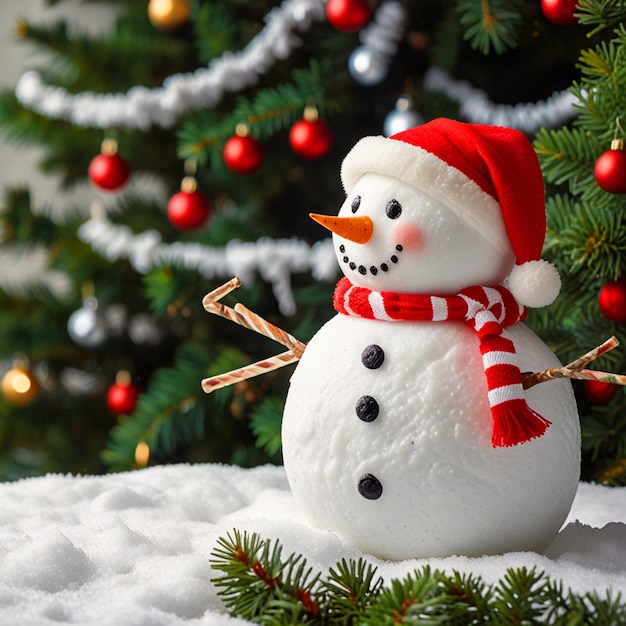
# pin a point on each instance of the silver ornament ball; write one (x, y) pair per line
(86, 327)
(397, 121)
(367, 66)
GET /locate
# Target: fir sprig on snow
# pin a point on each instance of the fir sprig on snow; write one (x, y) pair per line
(258, 584)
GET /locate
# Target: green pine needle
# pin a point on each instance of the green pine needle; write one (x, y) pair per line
(168, 414)
(272, 109)
(257, 583)
(490, 24)
(266, 425)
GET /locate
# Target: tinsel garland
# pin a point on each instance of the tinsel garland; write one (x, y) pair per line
(384, 32)
(142, 108)
(275, 260)
(475, 106)
(24, 270)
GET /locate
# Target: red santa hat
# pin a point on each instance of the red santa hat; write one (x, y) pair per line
(488, 175)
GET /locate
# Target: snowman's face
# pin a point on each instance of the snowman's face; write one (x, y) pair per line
(417, 244)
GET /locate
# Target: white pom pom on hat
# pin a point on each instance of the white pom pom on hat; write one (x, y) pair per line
(534, 283)
(488, 175)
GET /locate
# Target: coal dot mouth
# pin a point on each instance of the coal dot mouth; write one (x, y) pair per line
(372, 269)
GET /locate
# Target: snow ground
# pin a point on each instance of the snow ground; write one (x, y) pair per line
(133, 549)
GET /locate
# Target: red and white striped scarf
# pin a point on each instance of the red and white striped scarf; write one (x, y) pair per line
(488, 310)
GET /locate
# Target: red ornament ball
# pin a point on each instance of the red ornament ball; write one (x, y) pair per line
(560, 12)
(243, 154)
(610, 170)
(311, 139)
(122, 397)
(599, 392)
(612, 300)
(188, 210)
(348, 15)
(109, 171)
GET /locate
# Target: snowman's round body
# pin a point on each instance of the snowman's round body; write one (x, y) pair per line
(393, 450)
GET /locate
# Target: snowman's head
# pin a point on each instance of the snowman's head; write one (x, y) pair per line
(441, 207)
(389, 236)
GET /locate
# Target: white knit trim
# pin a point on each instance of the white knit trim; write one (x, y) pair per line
(346, 301)
(505, 394)
(440, 308)
(377, 303)
(496, 357)
(430, 174)
(482, 317)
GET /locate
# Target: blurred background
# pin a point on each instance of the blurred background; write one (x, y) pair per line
(151, 150)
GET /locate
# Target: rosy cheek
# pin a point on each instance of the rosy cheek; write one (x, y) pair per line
(409, 236)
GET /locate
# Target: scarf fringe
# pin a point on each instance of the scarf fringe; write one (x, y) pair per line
(515, 426)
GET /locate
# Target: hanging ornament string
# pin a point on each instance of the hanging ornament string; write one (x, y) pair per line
(610, 168)
(475, 106)
(275, 260)
(142, 108)
(189, 209)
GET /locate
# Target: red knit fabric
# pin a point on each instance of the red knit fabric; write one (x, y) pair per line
(488, 310)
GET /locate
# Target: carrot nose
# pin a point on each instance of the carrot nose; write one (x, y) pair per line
(358, 229)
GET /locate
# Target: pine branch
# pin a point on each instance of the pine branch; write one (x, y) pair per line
(266, 424)
(491, 24)
(418, 597)
(81, 62)
(168, 414)
(566, 156)
(270, 110)
(520, 596)
(349, 586)
(602, 14)
(588, 237)
(215, 29)
(604, 431)
(257, 584)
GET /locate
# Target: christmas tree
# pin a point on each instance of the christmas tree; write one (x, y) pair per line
(209, 130)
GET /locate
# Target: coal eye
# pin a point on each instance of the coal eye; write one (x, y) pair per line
(356, 203)
(393, 209)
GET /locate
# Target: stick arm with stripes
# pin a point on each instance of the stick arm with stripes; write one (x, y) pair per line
(295, 349)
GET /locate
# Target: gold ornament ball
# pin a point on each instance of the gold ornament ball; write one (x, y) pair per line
(169, 14)
(20, 387)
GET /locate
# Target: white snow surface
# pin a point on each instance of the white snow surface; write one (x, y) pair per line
(134, 548)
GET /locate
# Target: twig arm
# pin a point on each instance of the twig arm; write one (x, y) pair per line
(575, 369)
(248, 319)
(249, 371)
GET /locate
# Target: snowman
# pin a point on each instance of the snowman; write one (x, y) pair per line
(406, 428)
